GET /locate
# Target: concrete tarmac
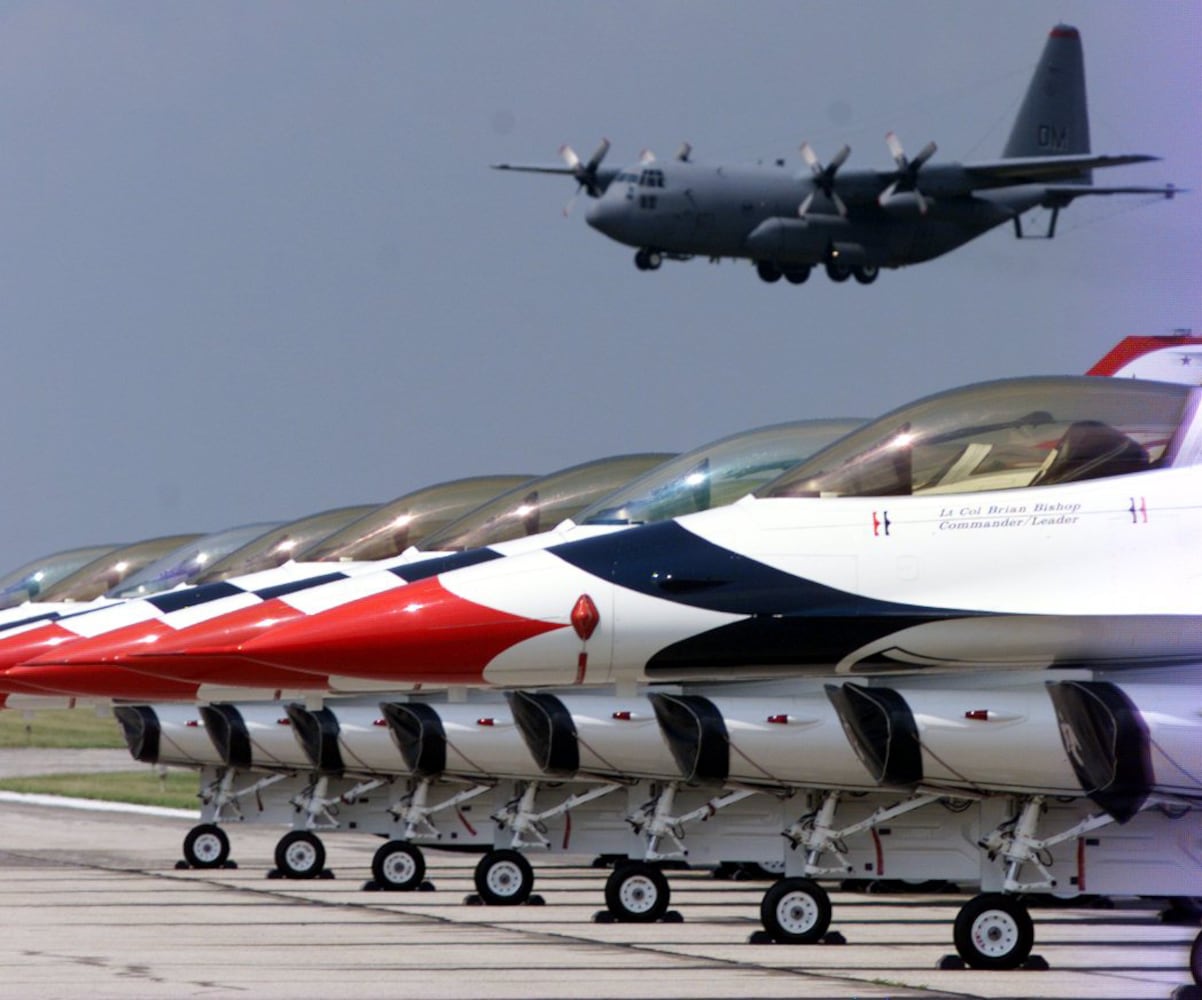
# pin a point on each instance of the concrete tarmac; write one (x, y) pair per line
(92, 905)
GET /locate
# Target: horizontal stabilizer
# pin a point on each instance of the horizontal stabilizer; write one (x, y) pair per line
(1042, 169)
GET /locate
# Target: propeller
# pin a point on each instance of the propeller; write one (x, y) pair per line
(907, 171)
(685, 151)
(824, 178)
(585, 173)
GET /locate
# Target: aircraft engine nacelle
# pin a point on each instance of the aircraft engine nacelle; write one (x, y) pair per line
(167, 734)
(1127, 741)
(254, 736)
(467, 740)
(803, 240)
(345, 738)
(1002, 740)
(597, 735)
(794, 741)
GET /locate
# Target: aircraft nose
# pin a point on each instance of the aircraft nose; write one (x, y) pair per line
(605, 215)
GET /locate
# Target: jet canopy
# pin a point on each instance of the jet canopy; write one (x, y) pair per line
(1000, 436)
(184, 564)
(715, 474)
(26, 583)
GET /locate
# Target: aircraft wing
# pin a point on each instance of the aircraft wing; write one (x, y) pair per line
(1044, 169)
(603, 175)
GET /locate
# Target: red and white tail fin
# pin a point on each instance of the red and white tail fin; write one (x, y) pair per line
(1173, 358)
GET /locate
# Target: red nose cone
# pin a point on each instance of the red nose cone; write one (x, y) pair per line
(34, 642)
(420, 633)
(99, 681)
(109, 648)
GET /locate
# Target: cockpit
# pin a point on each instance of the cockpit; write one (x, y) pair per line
(1005, 435)
(715, 474)
(649, 177)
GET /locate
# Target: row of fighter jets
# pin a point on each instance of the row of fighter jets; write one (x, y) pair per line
(958, 642)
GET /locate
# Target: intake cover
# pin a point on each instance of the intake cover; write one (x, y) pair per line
(696, 734)
(141, 728)
(1107, 741)
(227, 730)
(317, 732)
(547, 727)
(882, 731)
(418, 733)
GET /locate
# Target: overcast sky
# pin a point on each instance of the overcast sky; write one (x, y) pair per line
(254, 264)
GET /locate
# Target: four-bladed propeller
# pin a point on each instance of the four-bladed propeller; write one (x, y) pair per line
(585, 173)
(907, 172)
(824, 178)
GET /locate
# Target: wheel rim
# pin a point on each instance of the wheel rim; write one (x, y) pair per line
(399, 867)
(504, 878)
(638, 894)
(797, 912)
(207, 847)
(995, 934)
(301, 856)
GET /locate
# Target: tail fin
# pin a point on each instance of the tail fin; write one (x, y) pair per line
(1054, 119)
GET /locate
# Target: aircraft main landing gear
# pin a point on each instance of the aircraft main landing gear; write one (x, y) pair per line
(994, 931)
(206, 846)
(866, 274)
(796, 911)
(637, 893)
(648, 260)
(504, 878)
(837, 270)
(767, 271)
(398, 866)
(300, 854)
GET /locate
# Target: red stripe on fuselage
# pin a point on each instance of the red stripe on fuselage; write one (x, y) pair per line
(420, 632)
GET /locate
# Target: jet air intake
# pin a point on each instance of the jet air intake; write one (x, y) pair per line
(1109, 744)
(257, 735)
(881, 729)
(317, 733)
(550, 734)
(474, 740)
(696, 734)
(166, 734)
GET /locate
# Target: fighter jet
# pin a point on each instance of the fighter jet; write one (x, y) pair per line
(855, 222)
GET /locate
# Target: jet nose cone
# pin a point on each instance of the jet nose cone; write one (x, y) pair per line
(419, 633)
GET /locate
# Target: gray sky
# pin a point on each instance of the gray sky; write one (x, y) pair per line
(254, 264)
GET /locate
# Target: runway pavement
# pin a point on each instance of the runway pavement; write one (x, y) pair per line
(92, 905)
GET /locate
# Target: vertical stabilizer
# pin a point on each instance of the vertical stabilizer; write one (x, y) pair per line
(1054, 119)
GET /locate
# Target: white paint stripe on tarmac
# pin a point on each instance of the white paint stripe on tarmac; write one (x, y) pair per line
(95, 805)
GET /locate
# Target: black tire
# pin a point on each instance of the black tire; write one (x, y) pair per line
(767, 271)
(300, 854)
(837, 271)
(206, 846)
(796, 911)
(640, 259)
(866, 275)
(994, 931)
(637, 893)
(654, 260)
(504, 878)
(398, 866)
(1195, 960)
(797, 275)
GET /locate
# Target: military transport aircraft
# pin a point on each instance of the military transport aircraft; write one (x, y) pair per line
(854, 222)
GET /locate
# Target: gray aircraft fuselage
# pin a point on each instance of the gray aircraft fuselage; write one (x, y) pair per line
(686, 209)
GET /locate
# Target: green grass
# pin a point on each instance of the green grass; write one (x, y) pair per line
(147, 787)
(70, 728)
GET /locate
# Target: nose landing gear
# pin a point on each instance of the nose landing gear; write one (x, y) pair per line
(648, 260)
